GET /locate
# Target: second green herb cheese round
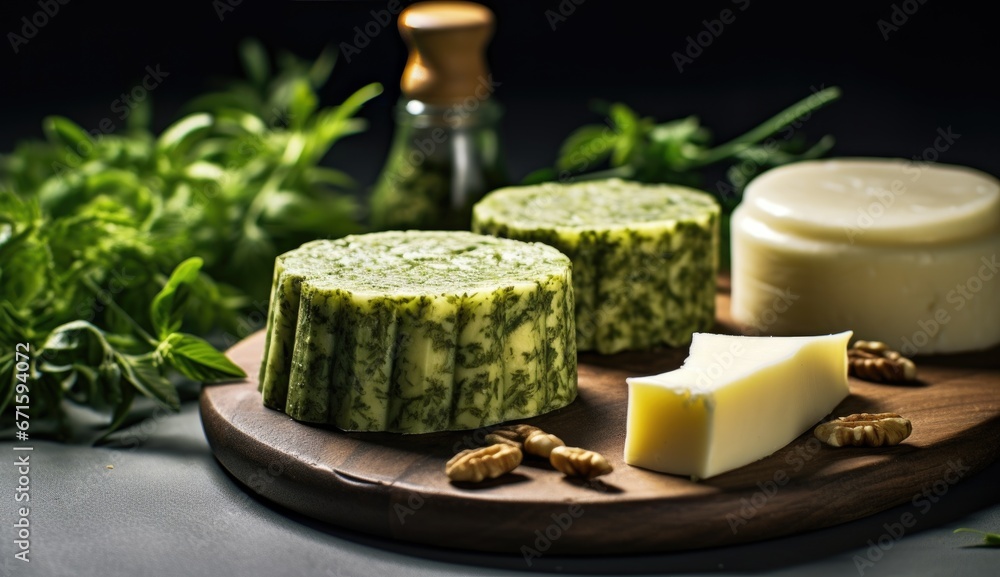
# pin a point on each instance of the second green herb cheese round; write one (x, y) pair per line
(644, 256)
(418, 331)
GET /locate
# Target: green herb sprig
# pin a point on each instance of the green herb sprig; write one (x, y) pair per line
(989, 539)
(97, 234)
(84, 364)
(678, 151)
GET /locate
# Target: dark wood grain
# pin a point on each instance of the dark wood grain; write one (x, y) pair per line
(393, 485)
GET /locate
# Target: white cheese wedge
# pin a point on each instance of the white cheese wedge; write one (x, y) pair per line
(899, 252)
(735, 400)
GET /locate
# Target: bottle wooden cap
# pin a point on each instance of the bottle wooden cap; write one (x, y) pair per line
(447, 41)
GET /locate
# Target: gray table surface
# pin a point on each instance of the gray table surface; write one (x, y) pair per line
(167, 507)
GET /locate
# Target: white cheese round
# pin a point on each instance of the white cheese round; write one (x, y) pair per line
(898, 251)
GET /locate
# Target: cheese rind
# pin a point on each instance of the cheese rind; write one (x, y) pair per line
(898, 252)
(735, 400)
(644, 256)
(419, 331)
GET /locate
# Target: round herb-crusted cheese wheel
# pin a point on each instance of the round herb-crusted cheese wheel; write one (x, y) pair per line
(419, 331)
(644, 256)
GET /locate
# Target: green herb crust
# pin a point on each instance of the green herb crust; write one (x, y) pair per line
(416, 331)
(644, 256)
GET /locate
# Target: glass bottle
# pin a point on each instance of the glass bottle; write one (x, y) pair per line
(446, 152)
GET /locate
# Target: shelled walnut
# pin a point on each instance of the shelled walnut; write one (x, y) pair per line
(532, 440)
(864, 430)
(574, 461)
(508, 444)
(875, 361)
(489, 462)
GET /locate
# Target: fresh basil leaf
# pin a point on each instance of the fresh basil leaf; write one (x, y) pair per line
(111, 180)
(25, 262)
(308, 214)
(232, 121)
(120, 413)
(352, 104)
(629, 137)
(67, 133)
(303, 103)
(146, 377)
(204, 171)
(255, 248)
(7, 382)
(330, 176)
(586, 147)
(673, 141)
(320, 70)
(245, 99)
(196, 359)
(109, 375)
(17, 212)
(180, 132)
(140, 117)
(255, 61)
(167, 308)
(13, 321)
(539, 176)
(79, 357)
(74, 341)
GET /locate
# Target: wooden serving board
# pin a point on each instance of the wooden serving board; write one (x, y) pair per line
(394, 485)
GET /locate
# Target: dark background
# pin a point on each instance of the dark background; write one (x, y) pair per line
(937, 70)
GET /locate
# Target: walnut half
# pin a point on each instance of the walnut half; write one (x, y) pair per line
(875, 361)
(574, 461)
(532, 440)
(864, 430)
(475, 465)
